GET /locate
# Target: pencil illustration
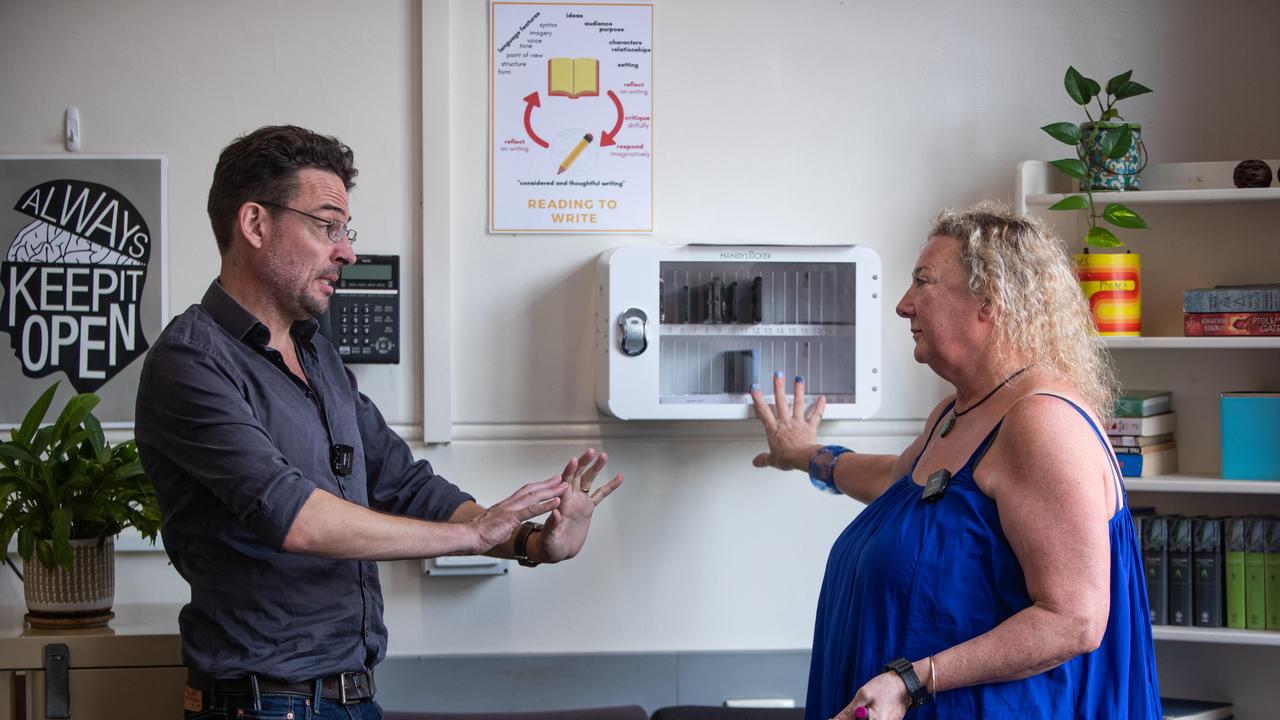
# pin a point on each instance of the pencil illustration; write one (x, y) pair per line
(573, 155)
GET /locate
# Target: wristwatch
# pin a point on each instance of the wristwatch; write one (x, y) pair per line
(915, 689)
(522, 543)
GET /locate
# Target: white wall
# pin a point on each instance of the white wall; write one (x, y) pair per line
(774, 122)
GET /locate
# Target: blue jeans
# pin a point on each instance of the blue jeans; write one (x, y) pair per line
(284, 706)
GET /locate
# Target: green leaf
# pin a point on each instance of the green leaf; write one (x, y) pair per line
(1102, 237)
(96, 437)
(1074, 82)
(1108, 142)
(1109, 115)
(1131, 89)
(1116, 82)
(1121, 216)
(19, 453)
(1091, 88)
(1121, 144)
(73, 415)
(35, 415)
(1064, 132)
(1071, 202)
(1074, 168)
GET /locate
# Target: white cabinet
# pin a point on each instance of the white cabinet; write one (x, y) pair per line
(1203, 232)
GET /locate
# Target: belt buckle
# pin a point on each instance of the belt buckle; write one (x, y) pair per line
(342, 688)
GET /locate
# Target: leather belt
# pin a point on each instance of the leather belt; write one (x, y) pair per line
(345, 688)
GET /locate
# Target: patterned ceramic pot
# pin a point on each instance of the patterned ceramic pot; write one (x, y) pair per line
(61, 598)
(1113, 174)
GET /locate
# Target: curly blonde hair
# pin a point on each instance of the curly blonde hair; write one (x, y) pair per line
(1041, 318)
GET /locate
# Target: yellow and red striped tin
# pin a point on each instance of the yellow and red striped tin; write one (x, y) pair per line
(1111, 283)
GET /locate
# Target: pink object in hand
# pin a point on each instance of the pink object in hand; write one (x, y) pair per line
(860, 712)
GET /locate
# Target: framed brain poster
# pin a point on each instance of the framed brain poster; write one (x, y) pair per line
(82, 282)
(571, 117)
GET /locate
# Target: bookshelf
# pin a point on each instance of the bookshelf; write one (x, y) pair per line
(1203, 231)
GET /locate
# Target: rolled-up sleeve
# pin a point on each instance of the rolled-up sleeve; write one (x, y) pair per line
(194, 414)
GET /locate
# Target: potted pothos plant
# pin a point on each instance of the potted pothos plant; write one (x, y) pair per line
(1109, 153)
(65, 493)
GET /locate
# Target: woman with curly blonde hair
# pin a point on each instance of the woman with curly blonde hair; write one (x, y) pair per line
(996, 558)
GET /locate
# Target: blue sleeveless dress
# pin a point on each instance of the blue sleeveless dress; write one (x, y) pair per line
(909, 579)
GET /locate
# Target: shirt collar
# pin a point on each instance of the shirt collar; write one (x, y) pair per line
(235, 319)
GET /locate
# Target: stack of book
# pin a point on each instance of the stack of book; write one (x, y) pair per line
(1141, 433)
(1212, 572)
(1231, 310)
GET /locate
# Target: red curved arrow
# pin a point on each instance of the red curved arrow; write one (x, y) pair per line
(532, 102)
(606, 137)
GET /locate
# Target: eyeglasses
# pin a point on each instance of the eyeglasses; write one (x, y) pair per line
(335, 230)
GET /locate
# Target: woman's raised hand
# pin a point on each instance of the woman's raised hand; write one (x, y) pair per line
(792, 432)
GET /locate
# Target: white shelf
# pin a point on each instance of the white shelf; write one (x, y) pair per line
(760, 330)
(1166, 197)
(1216, 635)
(1202, 484)
(1193, 343)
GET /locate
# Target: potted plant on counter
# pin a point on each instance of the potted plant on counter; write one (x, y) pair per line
(65, 492)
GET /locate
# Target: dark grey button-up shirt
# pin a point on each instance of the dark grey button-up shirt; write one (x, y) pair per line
(235, 444)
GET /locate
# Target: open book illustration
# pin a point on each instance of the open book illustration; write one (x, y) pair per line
(573, 77)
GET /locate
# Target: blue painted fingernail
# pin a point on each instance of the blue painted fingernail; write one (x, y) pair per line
(778, 374)
(799, 378)
(755, 386)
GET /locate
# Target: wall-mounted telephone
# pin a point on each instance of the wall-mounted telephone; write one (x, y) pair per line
(363, 320)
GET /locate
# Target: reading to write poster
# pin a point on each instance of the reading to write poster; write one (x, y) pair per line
(570, 118)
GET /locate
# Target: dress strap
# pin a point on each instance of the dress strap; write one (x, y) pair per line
(929, 439)
(982, 449)
(1106, 445)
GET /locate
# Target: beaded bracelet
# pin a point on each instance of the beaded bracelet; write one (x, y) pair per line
(822, 467)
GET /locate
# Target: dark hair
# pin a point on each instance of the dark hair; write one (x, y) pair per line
(262, 167)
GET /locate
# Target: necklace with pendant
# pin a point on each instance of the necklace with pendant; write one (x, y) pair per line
(951, 421)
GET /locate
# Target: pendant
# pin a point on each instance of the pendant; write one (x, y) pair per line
(946, 426)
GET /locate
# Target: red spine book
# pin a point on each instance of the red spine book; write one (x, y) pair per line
(1245, 323)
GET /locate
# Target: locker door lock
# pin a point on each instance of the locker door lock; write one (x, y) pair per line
(632, 324)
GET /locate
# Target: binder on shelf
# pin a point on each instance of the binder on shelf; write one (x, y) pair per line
(1271, 567)
(1234, 532)
(1181, 602)
(1250, 426)
(1155, 563)
(1255, 589)
(1207, 555)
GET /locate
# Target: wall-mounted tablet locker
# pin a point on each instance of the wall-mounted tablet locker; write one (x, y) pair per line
(683, 332)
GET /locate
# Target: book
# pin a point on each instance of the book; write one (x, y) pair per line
(1145, 450)
(1232, 298)
(1234, 538)
(1251, 323)
(573, 77)
(1271, 567)
(1250, 426)
(1153, 425)
(1119, 441)
(1155, 565)
(1180, 584)
(1164, 462)
(1179, 709)
(1255, 587)
(1141, 403)
(1208, 561)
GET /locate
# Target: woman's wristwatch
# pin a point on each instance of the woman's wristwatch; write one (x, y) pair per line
(916, 690)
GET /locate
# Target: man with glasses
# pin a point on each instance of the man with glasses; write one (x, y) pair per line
(279, 483)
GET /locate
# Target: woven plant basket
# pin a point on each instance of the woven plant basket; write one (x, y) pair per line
(83, 598)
